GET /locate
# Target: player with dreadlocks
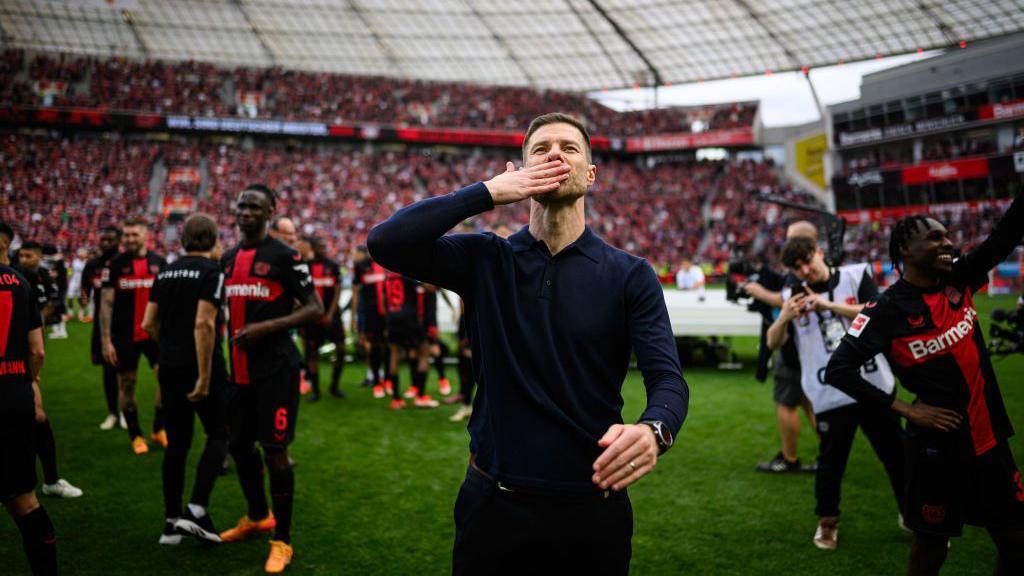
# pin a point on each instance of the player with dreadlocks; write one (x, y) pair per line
(959, 465)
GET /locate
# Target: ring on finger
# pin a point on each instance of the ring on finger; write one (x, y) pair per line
(632, 466)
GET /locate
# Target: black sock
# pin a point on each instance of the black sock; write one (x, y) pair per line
(337, 369)
(39, 541)
(314, 380)
(419, 380)
(46, 448)
(375, 364)
(439, 360)
(210, 463)
(282, 490)
(466, 380)
(158, 419)
(131, 418)
(110, 388)
(249, 467)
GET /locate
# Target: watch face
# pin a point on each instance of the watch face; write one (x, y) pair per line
(662, 434)
(665, 434)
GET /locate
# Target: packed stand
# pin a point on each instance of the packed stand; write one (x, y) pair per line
(202, 89)
(62, 191)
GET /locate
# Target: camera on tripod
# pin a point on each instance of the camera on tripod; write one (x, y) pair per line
(1006, 333)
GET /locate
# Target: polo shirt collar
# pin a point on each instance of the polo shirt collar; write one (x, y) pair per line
(587, 244)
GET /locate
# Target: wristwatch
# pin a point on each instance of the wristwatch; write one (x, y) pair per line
(661, 434)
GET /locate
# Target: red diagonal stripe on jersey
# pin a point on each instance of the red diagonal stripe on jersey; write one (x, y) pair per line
(381, 310)
(966, 355)
(982, 435)
(239, 275)
(317, 271)
(6, 314)
(140, 269)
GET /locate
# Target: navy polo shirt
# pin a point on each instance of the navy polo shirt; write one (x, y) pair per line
(551, 336)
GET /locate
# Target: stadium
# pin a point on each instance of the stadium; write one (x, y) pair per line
(359, 122)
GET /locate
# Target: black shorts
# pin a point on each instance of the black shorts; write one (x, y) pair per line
(319, 333)
(264, 411)
(948, 486)
(372, 325)
(408, 336)
(787, 389)
(128, 354)
(17, 454)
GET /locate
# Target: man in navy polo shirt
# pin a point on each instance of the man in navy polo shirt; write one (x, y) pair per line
(553, 314)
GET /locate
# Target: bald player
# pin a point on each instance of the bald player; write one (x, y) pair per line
(283, 229)
(787, 392)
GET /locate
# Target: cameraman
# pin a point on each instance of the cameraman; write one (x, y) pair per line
(787, 392)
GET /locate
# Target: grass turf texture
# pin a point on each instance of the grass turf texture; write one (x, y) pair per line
(375, 488)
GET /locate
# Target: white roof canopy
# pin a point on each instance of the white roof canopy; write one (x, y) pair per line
(559, 44)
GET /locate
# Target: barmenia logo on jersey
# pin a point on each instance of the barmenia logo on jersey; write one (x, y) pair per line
(134, 283)
(962, 329)
(247, 291)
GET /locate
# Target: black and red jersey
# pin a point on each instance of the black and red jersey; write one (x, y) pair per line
(131, 277)
(403, 300)
(934, 343)
(92, 278)
(326, 276)
(19, 314)
(38, 285)
(368, 277)
(262, 282)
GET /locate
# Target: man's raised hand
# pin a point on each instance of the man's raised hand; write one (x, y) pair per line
(515, 185)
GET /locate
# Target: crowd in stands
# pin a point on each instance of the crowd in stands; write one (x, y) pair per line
(967, 224)
(61, 190)
(202, 89)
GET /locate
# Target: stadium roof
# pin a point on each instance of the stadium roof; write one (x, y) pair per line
(562, 44)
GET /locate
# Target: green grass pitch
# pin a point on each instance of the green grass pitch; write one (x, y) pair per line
(375, 489)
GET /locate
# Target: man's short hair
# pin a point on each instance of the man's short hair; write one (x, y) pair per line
(136, 221)
(266, 190)
(798, 249)
(32, 245)
(112, 229)
(199, 233)
(6, 230)
(557, 118)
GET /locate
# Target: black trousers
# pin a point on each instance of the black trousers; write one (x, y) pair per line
(175, 384)
(838, 427)
(500, 532)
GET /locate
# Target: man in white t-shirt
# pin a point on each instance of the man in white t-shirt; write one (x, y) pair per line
(690, 277)
(75, 284)
(820, 311)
